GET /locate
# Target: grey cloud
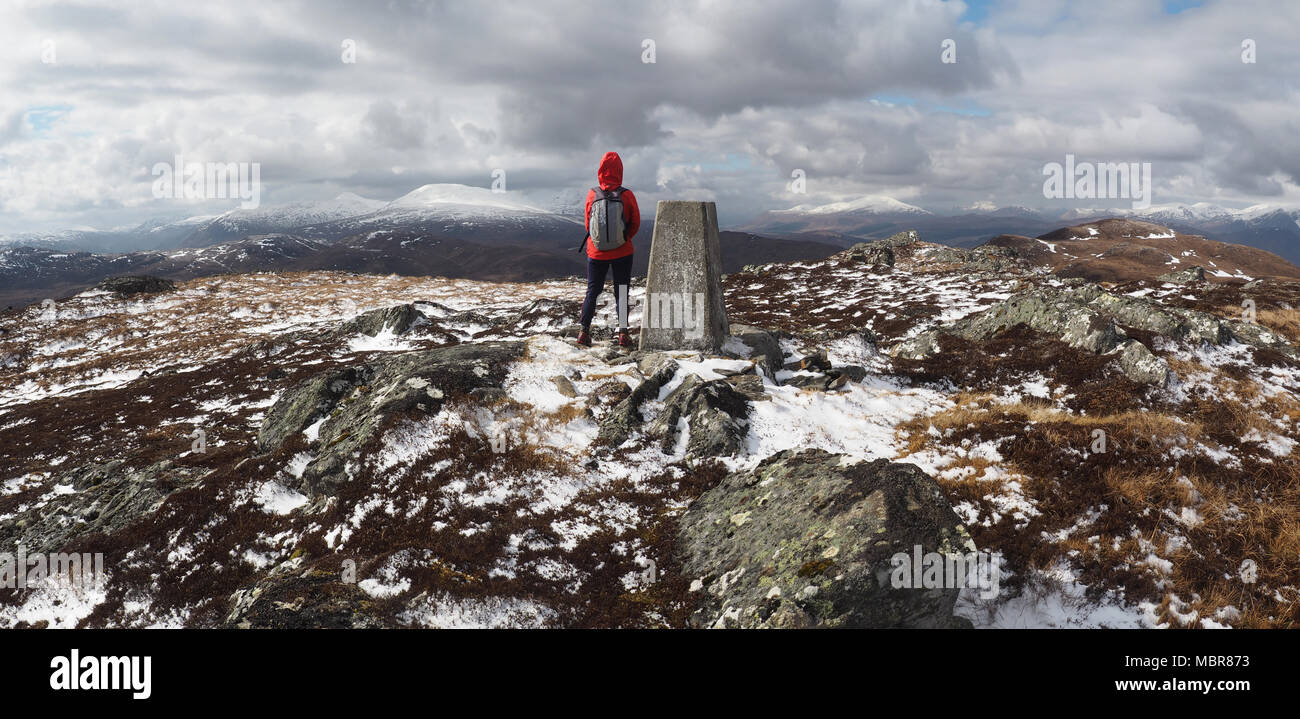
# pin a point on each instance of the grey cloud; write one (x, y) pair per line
(741, 94)
(391, 129)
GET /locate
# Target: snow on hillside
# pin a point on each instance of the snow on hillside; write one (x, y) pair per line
(451, 206)
(1192, 214)
(1004, 427)
(451, 197)
(297, 214)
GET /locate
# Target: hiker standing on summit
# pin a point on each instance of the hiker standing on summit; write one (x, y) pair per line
(612, 219)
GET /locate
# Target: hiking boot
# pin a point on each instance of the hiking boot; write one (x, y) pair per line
(584, 338)
(623, 339)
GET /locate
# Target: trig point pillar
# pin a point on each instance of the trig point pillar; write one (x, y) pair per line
(683, 307)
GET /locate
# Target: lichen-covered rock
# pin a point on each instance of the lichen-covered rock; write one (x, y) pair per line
(716, 416)
(985, 258)
(136, 284)
(106, 498)
(750, 385)
(311, 400)
(564, 386)
(1140, 365)
(898, 239)
(749, 342)
(1088, 317)
(1085, 317)
(398, 319)
(805, 539)
(1196, 273)
(828, 379)
(880, 252)
(348, 406)
(617, 425)
(871, 254)
(294, 597)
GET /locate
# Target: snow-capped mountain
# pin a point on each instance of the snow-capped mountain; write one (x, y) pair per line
(268, 219)
(1267, 227)
(868, 204)
(439, 208)
(878, 216)
(155, 234)
(1272, 228)
(469, 213)
(480, 244)
(1176, 212)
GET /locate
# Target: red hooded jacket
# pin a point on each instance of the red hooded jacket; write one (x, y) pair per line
(610, 175)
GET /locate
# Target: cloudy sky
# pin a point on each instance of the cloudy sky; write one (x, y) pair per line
(741, 94)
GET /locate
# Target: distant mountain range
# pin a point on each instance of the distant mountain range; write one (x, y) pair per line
(1275, 229)
(459, 231)
(1122, 250)
(443, 230)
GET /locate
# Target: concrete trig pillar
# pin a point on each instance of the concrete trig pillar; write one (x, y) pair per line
(683, 307)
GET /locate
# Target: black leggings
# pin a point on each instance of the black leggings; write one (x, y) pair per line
(596, 270)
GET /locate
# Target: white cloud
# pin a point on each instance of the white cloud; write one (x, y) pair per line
(740, 95)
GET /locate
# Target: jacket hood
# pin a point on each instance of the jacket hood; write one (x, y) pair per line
(610, 173)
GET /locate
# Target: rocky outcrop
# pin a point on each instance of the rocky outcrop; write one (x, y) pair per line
(985, 258)
(716, 418)
(1061, 314)
(105, 498)
(880, 253)
(1088, 317)
(1188, 276)
(296, 597)
(828, 379)
(749, 385)
(898, 239)
(347, 407)
(871, 254)
(618, 424)
(749, 342)
(398, 319)
(714, 413)
(136, 284)
(805, 539)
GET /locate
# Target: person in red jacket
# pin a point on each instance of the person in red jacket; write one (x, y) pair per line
(618, 259)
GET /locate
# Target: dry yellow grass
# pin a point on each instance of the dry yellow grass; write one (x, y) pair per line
(1175, 530)
(1283, 321)
(976, 408)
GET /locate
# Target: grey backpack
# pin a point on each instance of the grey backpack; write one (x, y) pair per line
(606, 222)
